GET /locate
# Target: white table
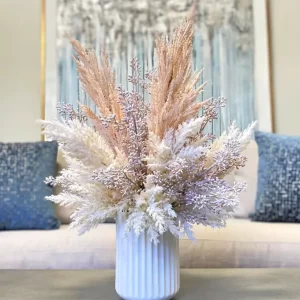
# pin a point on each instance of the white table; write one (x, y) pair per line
(202, 284)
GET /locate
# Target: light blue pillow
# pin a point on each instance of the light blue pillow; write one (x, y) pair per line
(278, 189)
(23, 169)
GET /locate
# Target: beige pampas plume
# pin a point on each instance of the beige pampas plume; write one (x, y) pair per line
(111, 136)
(173, 92)
(98, 80)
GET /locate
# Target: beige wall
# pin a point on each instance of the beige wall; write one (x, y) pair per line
(20, 67)
(285, 37)
(19, 70)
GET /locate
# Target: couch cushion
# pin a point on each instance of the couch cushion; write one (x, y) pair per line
(24, 167)
(63, 213)
(241, 244)
(249, 175)
(59, 249)
(278, 192)
(246, 244)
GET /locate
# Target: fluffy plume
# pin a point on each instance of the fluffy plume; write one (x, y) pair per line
(80, 141)
(97, 80)
(172, 88)
(154, 162)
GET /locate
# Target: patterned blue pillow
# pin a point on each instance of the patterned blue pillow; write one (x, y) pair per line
(23, 169)
(278, 189)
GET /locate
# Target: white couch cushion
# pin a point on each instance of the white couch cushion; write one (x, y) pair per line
(241, 244)
(63, 213)
(249, 175)
(58, 249)
(246, 244)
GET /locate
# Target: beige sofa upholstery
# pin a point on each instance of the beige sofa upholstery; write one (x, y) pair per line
(241, 244)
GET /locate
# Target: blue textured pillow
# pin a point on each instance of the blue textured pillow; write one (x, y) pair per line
(278, 189)
(23, 169)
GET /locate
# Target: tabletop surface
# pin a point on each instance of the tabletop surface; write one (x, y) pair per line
(206, 284)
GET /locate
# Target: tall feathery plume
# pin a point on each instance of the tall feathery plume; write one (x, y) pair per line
(98, 81)
(172, 89)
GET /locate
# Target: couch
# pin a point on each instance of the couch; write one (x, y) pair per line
(242, 244)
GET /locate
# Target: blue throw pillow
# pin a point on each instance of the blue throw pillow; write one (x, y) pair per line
(23, 169)
(278, 189)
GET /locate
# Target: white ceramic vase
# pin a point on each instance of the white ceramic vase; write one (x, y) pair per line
(145, 271)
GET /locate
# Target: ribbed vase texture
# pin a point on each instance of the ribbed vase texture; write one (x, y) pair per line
(145, 271)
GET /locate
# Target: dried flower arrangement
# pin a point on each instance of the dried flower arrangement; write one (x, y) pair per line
(152, 160)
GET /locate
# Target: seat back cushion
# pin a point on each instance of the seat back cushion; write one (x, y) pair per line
(63, 213)
(249, 175)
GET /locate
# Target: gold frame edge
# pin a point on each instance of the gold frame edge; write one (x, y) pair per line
(43, 62)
